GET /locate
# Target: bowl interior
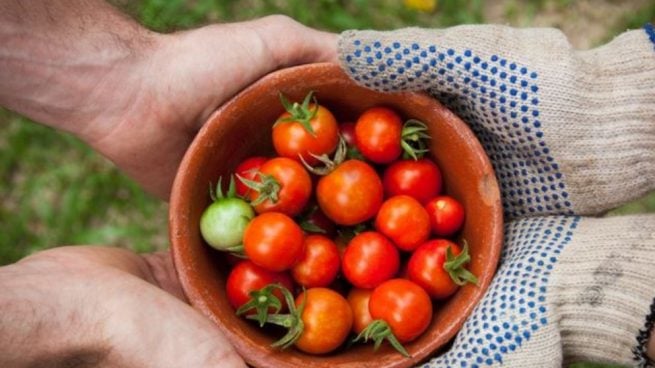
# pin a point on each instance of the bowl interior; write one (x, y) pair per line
(242, 128)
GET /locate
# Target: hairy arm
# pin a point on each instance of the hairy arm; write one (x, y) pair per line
(61, 61)
(136, 96)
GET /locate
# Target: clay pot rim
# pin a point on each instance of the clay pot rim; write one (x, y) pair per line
(178, 198)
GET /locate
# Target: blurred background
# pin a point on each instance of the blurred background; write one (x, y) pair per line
(54, 190)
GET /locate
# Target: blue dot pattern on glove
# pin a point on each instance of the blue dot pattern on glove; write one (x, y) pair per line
(650, 31)
(497, 97)
(514, 308)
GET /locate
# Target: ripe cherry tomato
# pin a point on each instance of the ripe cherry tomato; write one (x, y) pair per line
(350, 194)
(319, 264)
(370, 258)
(274, 241)
(248, 169)
(446, 215)
(347, 131)
(420, 179)
(327, 318)
(427, 268)
(358, 300)
(304, 129)
(378, 134)
(403, 220)
(284, 185)
(246, 277)
(404, 306)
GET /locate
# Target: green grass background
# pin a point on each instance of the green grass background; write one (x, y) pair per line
(54, 190)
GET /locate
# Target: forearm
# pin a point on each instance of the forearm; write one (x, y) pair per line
(59, 60)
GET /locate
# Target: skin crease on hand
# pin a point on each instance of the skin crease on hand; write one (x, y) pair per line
(97, 307)
(192, 73)
(136, 96)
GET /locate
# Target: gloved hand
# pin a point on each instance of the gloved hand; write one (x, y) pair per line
(569, 133)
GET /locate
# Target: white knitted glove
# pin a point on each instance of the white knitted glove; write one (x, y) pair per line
(569, 133)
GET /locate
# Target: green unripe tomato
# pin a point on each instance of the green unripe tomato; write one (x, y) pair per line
(223, 222)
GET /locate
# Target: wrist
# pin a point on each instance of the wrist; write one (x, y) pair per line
(67, 73)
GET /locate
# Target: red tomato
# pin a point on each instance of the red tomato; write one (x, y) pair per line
(358, 300)
(246, 277)
(426, 268)
(369, 259)
(352, 193)
(320, 263)
(327, 319)
(420, 179)
(274, 241)
(292, 138)
(446, 215)
(404, 306)
(347, 131)
(285, 186)
(378, 134)
(403, 220)
(248, 169)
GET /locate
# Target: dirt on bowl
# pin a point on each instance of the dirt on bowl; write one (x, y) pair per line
(242, 128)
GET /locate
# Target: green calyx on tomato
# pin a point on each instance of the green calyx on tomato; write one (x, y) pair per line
(454, 265)
(223, 222)
(262, 301)
(267, 188)
(300, 113)
(311, 227)
(329, 164)
(378, 331)
(414, 139)
(291, 321)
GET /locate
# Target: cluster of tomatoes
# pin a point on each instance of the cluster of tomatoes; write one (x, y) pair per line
(352, 217)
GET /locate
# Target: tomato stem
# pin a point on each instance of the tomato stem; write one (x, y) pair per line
(329, 164)
(378, 331)
(218, 194)
(291, 321)
(267, 188)
(414, 139)
(301, 114)
(454, 265)
(261, 301)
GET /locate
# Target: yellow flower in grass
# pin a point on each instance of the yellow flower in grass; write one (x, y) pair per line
(421, 5)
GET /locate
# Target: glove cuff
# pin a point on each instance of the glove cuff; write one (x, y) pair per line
(600, 293)
(640, 350)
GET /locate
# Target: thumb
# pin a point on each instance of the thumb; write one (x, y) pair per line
(290, 43)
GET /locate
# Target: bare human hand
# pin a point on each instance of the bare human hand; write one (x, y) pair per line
(103, 307)
(136, 96)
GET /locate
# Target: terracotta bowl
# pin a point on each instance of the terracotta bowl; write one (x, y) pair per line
(242, 128)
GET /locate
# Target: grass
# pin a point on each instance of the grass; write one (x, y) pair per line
(54, 190)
